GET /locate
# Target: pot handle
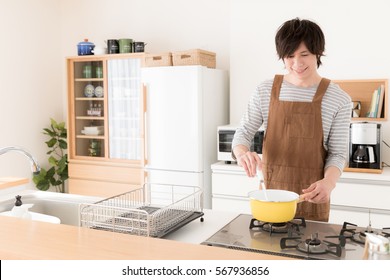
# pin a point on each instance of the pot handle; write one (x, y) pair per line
(301, 199)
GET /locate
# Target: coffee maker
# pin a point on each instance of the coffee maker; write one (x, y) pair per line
(365, 145)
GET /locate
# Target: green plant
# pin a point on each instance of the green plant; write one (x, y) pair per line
(57, 174)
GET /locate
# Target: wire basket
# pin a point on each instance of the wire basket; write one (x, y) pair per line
(152, 210)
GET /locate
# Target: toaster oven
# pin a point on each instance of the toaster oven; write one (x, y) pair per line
(225, 136)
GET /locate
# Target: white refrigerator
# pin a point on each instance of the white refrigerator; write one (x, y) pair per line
(184, 107)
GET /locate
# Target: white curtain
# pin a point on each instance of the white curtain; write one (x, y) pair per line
(124, 111)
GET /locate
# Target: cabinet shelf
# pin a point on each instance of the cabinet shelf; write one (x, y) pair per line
(89, 99)
(363, 170)
(99, 164)
(89, 118)
(368, 119)
(89, 80)
(82, 136)
(362, 90)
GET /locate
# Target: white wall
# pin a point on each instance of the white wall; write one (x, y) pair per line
(357, 43)
(166, 26)
(30, 79)
(37, 35)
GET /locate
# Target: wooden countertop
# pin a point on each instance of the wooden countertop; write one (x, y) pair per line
(33, 240)
(12, 182)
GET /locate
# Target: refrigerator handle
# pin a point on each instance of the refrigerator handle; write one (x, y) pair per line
(145, 130)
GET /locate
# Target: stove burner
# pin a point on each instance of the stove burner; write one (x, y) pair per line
(349, 230)
(313, 245)
(287, 227)
(385, 233)
(361, 236)
(313, 241)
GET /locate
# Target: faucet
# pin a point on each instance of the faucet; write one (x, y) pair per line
(35, 168)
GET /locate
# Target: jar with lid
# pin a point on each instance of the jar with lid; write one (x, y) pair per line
(85, 48)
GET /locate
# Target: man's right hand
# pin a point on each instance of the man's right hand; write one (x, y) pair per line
(250, 161)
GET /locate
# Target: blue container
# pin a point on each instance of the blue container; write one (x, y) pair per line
(85, 48)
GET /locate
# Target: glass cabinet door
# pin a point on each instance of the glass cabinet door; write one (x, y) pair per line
(88, 123)
(124, 108)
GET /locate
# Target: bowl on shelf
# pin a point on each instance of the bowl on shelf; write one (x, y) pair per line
(99, 132)
(99, 91)
(89, 90)
(93, 130)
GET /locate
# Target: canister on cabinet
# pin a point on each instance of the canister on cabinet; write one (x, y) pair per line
(99, 72)
(87, 71)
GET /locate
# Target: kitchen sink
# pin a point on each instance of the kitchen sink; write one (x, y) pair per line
(63, 206)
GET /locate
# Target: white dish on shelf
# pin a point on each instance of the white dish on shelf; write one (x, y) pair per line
(98, 132)
(89, 90)
(93, 128)
(99, 92)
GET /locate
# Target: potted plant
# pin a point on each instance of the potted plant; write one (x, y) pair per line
(57, 174)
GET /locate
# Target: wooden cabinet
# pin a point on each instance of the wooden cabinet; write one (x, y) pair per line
(105, 123)
(87, 110)
(362, 90)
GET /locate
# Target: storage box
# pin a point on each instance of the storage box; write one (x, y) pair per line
(161, 59)
(194, 57)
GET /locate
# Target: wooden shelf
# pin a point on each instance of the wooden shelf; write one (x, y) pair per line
(89, 118)
(368, 119)
(89, 80)
(361, 90)
(89, 98)
(90, 136)
(363, 170)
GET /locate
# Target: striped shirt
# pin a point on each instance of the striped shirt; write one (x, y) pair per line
(336, 109)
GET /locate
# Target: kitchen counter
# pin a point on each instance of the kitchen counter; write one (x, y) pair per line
(7, 182)
(368, 204)
(196, 232)
(25, 239)
(381, 177)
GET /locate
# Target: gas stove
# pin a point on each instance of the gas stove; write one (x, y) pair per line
(298, 238)
(356, 234)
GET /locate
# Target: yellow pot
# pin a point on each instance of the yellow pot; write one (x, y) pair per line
(279, 208)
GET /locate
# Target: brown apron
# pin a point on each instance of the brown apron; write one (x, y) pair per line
(293, 152)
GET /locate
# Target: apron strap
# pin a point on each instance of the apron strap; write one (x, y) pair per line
(322, 87)
(276, 86)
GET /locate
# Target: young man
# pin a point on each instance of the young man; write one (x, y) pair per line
(306, 121)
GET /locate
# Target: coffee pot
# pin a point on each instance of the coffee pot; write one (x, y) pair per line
(364, 154)
(365, 145)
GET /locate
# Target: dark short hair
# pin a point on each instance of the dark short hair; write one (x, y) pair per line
(293, 32)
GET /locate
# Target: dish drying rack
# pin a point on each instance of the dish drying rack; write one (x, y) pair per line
(152, 210)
